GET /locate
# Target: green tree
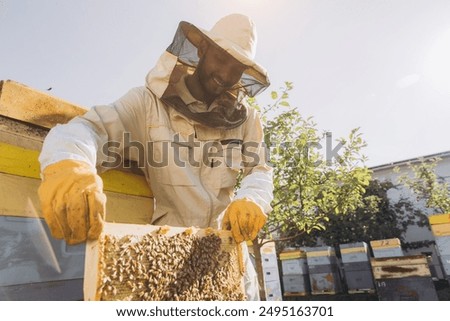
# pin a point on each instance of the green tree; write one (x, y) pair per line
(308, 184)
(427, 186)
(377, 218)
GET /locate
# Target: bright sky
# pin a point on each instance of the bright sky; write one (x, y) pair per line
(381, 65)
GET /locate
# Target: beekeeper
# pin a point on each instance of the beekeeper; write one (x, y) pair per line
(197, 135)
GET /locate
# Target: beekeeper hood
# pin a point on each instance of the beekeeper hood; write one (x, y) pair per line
(234, 34)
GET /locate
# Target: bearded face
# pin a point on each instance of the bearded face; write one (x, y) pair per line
(217, 71)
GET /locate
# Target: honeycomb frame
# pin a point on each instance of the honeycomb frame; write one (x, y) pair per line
(131, 262)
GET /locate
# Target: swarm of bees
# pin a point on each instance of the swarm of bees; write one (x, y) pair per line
(182, 267)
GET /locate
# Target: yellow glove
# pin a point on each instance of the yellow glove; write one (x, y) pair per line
(72, 201)
(245, 218)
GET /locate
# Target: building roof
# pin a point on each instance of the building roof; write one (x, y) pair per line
(445, 154)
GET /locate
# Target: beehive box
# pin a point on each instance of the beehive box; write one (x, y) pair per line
(403, 278)
(146, 262)
(273, 290)
(441, 230)
(398, 267)
(294, 262)
(354, 252)
(33, 265)
(320, 255)
(358, 277)
(406, 289)
(296, 285)
(357, 269)
(440, 226)
(269, 256)
(439, 219)
(325, 279)
(271, 275)
(324, 273)
(386, 248)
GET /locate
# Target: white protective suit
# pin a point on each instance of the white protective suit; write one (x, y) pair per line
(191, 168)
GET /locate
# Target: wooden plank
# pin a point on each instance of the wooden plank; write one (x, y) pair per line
(441, 229)
(19, 161)
(24, 162)
(399, 267)
(18, 197)
(400, 271)
(125, 182)
(20, 134)
(121, 208)
(23, 103)
(400, 260)
(139, 262)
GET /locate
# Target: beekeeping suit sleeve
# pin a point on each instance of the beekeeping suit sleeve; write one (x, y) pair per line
(251, 283)
(257, 184)
(87, 138)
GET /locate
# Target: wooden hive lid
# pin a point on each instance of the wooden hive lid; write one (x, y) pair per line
(387, 243)
(20, 102)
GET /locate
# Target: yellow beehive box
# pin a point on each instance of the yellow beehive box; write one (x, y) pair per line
(439, 219)
(293, 254)
(386, 248)
(441, 229)
(146, 262)
(26, 115)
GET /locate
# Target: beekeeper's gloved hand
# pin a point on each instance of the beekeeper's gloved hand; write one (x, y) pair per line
(245, 219)
(72, 201)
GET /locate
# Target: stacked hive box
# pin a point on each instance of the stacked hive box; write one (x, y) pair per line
(386, 248)
(357, 268)
(324, 271)
(271, 273)
(33, 265)
(146, 262)
(403, 278)
(440, 226)
(295, 273)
